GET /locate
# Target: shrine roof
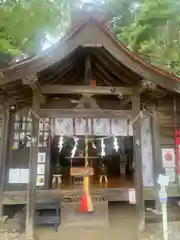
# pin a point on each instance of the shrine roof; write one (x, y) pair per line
(93, 35)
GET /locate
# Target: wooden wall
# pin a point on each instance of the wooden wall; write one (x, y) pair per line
(167, 118)
(19, 158)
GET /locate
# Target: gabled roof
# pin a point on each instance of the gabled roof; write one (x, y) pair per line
(90, 33)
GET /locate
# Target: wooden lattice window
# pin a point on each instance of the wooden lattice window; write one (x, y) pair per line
(44, 132)
(22, 132)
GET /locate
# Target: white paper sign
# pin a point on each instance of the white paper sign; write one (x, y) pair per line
(40, 180)
(101, 126)
(14, 175)
(132, 196)
(64, 126)
(80, 126)
(24, 175)
(170, 172)
(119, 127)
(147, 157)
(130, 128)
(41, 157)
(41, 169)
(168, 157)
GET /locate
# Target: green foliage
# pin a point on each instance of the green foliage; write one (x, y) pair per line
(25, 24)
(153, 32)
(151, 28)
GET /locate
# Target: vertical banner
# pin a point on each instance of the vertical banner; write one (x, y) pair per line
(177, 139)
(147, 158)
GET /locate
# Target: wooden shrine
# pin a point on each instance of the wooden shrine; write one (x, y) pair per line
(87, 75)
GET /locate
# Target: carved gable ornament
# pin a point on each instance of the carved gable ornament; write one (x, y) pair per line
(87, 102)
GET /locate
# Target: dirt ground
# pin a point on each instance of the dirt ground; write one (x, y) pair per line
(123, 225)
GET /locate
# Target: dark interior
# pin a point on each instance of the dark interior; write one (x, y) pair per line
(61, 161)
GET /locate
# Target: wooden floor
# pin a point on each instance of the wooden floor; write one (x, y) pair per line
(113, 183)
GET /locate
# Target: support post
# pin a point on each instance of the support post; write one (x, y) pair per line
(3, 154)
(87, 178)
(157, 158)
(136, 108)
(31, 194)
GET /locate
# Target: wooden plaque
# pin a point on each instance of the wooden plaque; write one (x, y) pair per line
(81, 171)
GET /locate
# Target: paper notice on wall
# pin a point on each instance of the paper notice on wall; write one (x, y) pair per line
(14, 175)
(101, 126)
(147, 156)
(41, 157)
(24, 176)
(132, 196)
(64, 126)
(40, 180)
(168, 157)
(82, 126)
(40, 169)
(170, 172)
(119, 127)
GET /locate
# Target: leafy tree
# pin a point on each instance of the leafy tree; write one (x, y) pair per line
(151, 28)
(25, 24)
(154, 34)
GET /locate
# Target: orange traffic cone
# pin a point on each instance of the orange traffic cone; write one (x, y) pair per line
(84, 203)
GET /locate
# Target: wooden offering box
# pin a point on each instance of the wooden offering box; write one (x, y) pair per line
(81, 171)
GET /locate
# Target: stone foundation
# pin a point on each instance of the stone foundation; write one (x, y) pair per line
(71, 215)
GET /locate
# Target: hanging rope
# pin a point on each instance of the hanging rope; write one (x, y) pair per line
(86, 145)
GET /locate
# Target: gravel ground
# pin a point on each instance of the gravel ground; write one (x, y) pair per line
(123, 225)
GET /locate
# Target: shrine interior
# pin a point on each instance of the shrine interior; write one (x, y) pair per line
(117, 165)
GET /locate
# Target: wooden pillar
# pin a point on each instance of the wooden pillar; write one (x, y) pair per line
(3, 154)
(87, 70)
(31, 194)
(157, 157)
(138, 160)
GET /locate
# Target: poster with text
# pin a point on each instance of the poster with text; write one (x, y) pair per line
(101, 126)
(24, 176)
(168, 157)
(147, 157)
(119, 127)
(83, 126)
(14, 175)
(40, 180)
(64, 126)
(170, 172)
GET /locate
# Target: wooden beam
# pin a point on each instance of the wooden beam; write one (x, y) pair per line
(77, 113)
(138, 160)
(87, 72)
(3, 154)
(112, 66)
(157, 157)
(64, 89)
(31, 194)
(124, 102)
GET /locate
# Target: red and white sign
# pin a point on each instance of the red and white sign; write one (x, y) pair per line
(168, 157)
(132, 196)
(177, 135)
